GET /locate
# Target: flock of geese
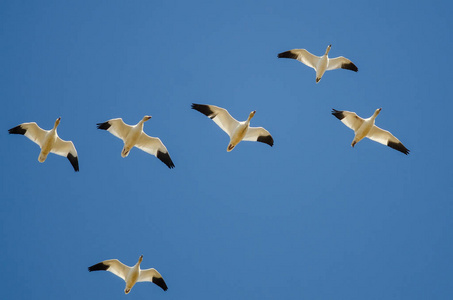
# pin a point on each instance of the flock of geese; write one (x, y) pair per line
(134, 136)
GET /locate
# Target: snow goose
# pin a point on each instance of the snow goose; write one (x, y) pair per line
(131, 275)
(366, 128)
(320, 64)
(48, 141)
(238, 131)
(134, 136)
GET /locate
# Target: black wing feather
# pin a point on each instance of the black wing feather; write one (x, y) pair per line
(74, 161)
(398, 146)
(17, 130)
(165, 158)
(350, 66)
(104, 126)
(204, 109)
(98, 267)
(267, 139)
(287, 54)
(338, 113)
(160, 282)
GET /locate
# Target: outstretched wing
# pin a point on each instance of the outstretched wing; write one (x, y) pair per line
(259, 134)
(32, 131)
(116, 127)
(152, 275)
(219, 115)
(350, 119)
(341, 62)
(154, 146)
(67, 149)
(111, 265)
(386, 138)
(301, 55)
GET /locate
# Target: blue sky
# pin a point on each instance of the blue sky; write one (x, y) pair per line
(310, 218)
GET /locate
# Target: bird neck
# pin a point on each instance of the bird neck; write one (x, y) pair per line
(56, 125)
(140, 124)
(137, 266)
(376, 113)
(249, 118)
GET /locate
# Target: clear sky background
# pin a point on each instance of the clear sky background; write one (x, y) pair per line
(310, 218)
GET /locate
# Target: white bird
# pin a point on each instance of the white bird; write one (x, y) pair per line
(134, 136)
(131, 275)
(238, 131)
(48, 141)
(366, 128)
(320, 64)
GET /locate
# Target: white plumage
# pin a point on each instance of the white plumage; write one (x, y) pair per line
(237, 131)
(131, 275)
(133, 136)
(366, 128)
(48, 141)
(321, 64)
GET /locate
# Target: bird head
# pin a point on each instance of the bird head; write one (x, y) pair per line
(146, 118)
(328, 49)
(57, 122)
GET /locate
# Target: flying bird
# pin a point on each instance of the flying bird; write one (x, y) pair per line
(134, 136)
(320, 64)
(131, 275)
(238, 131)
(366, 128)
(48, 141)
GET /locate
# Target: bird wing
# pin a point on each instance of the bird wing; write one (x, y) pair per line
(116, 127)
(341, 62)
(350, 119)
(32, 131)
(301, 55)
(259, 134)
(152, 275)
(219, 115)
(154, 146)
(386, 138)
(112, 265)
(67, 149)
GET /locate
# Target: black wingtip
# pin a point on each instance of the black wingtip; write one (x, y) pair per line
(350, 66)
(267, 139)
(98, 267)
(160, 282)
(165, 158)
(17, 130)
(338, 113)
(287, 54)
(74, 161)
(204, 109)
(398, 146)
(104, 126)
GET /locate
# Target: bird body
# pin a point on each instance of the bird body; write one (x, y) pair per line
(132, 137)
(237, 131)
(131, 275)
(366, 128)
(48, 141)
(320, 64)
